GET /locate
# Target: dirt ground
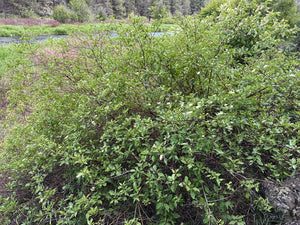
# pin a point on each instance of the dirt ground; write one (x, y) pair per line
(29, 22)
(3, 181)
(39, 22)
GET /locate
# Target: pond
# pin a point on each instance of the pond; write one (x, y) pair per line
(41, 38)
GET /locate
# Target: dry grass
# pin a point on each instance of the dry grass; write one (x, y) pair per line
(29, 22)
(3, 181)
(3, 104)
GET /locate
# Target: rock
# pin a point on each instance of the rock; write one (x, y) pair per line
(285, 197)
(293, 223)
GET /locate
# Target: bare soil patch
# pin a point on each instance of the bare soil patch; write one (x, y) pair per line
(29, 22)
(40, 22)
(3, 181)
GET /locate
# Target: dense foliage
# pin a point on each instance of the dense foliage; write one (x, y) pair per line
(286, 8)
(85, 10)
(138, 129)
(27, 8)
(108, 8)
(27, 32)
(61, 14)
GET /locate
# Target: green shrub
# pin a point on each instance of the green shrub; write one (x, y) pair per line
(139, 129)
(61, 14)
(287, 10)
(27, 13)
(169, 19)
(81, 12)
(158, 10)
(10, 30)
(212, 8)
(101, 15)
(60, 31)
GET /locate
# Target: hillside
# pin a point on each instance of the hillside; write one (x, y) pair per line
(116, 8)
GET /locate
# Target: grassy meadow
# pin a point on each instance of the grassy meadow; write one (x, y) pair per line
(64, 29)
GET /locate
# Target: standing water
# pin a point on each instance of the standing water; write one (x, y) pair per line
(42, 38)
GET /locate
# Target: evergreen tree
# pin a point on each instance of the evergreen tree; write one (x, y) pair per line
(158, 10)
(104, 8)
(28, 8)
(18, 7)
(288, 10)
(107, 7)
(45, 7)
(167, 5)
(175, 6)
(118, 8)
(196, 5)
(90, 2)
(185, 7)
(143, 7)
(129, 7)
(2, 8)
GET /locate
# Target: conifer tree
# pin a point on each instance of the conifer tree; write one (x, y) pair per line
(118, 8)
(288, 10)
(167, 5)
(107, 7)
(196, 5)
(185, 7)
(143, 7)
(158, 10)
(130, 6)
(175, 6)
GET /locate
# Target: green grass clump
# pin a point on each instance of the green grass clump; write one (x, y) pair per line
(7, 55)
(9, 30)
(168, 27)
(60, 31)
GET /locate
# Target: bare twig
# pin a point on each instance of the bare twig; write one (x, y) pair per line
(207, 204)
(140, 214)
(108, 178)
(257, 92)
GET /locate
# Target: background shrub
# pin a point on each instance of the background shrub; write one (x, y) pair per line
(81, 12)
(61, 14)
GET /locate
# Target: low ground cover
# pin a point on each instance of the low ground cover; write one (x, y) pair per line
(21, 27)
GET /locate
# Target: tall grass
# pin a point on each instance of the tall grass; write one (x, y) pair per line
(6, 53)
(64, 29)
